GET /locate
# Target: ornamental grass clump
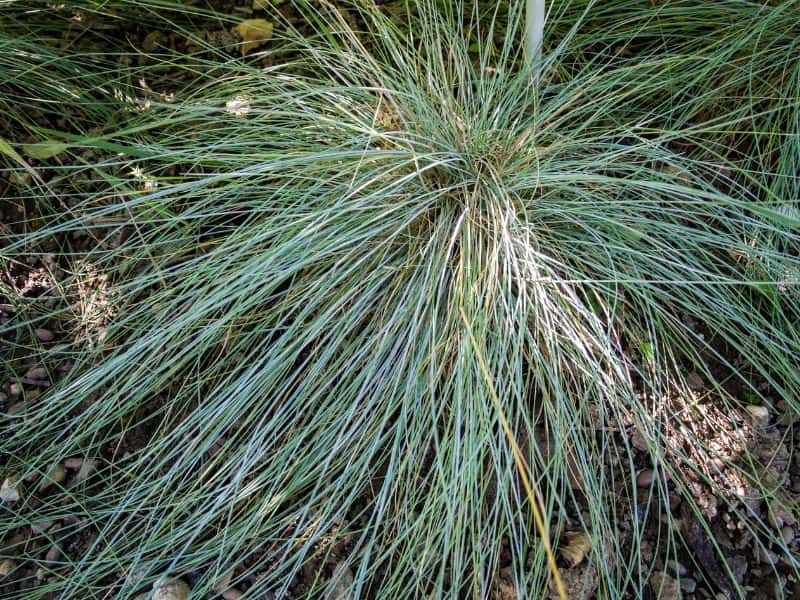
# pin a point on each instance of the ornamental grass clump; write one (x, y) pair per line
(359, 297)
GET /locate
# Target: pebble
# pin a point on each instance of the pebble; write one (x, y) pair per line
(87, 468)
(7, 567)
(694, 381)
(232, 594)
(765, 556)
(52, 554)
(58, 474)
(151, 41)
(74, 462)
(645, 478)
(739, 566)
(17, 408)
(342, 580)
(224, 582)
(787, 416)
(638, 441)
(665, 586)
(36, 374)
(44, 335)
(775, 518)
(42, 526)
(171, 589)
(787, 533)
(15, 389)
(688, 585)
(3, 396)
(758, 412)
(9, 491)
(65, 366)
(676, 567)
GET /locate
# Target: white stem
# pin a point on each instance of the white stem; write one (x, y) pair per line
(534, 32)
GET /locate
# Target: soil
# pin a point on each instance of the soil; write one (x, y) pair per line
(771, 432)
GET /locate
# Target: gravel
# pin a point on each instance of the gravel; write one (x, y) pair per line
(645, 478)
(44, 335)
(172, 589)
(10, 490)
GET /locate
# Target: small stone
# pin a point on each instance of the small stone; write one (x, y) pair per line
(694, 381)
(151, 41)
(758, 412)
(342, 582)
(638, 441)
(87, 468)
(36, 374)
(787, 533)
(665, 586)
(42, 526)
(645, 478)
(10, 490)
(74, 462)
(74, 520)
(3, 396)
(504, 587)
(765, 556)
(688, 585)
(17, 408)
(232, 594)
(15, 389)
(224, 582)
(676, 567)
(44, 335)
(775, 518)
(739, 566)
(171, 589)
(52, 554)
(58, 474)
(7, 567)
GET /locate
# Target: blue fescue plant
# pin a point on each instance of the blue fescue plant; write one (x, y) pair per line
(378, 297)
